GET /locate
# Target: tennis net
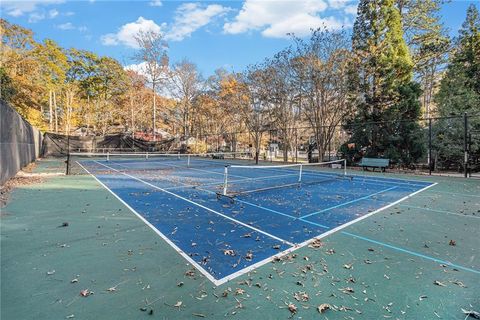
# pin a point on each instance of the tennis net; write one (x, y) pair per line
(243, 179)
(151, 161)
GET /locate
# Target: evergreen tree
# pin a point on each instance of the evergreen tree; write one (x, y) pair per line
(381, 84)
(460, 92)
(429, 43)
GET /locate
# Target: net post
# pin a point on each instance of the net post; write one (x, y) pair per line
(300, 173)
(178, 155)
(146, 155)
(345, 166)
(108, 155)
(225, 180)
(188, 160)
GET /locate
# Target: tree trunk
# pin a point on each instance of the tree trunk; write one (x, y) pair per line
(50, 108)
(154, 112)
(55, 110)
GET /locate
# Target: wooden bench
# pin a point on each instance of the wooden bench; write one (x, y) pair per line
(375, 163)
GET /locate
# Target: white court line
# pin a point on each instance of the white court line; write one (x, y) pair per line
(289, 250)
(167, 240)
(370, 179)
(348, 202)
(199, 205)
(323, 235)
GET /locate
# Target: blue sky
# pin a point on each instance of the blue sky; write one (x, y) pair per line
(212, 34)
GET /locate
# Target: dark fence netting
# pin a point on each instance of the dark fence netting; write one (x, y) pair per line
(55, 144)
(20, 143)
(449, 144)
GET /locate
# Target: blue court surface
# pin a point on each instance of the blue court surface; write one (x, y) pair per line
(225, 238)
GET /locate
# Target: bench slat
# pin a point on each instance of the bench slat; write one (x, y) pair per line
(375, 162)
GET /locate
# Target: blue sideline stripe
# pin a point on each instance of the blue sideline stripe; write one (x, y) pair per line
(400, 249)
(411, 252)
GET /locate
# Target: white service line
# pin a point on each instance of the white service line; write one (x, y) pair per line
(167, 240)
(198, 205)
(267, 260)
(348, 202)
(365, 178)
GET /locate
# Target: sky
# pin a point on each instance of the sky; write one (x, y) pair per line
(211, 34)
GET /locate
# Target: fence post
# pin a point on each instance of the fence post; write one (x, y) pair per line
(68, 153)
(430, 146)
(465, 145)
(296, 145)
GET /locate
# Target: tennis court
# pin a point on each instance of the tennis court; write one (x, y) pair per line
(227, 218)
(168, 241)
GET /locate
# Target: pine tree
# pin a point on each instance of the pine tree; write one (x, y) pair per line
(429, 43)
(460, 92)
(382, 70)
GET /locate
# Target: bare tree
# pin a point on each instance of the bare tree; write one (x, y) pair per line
(152, 52)
(253, 99)
(185, 84)
(321, 67)
(283, 98)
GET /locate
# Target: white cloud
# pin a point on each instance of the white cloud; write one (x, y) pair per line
(277, 18)
(71, 26)
(19, 8)
(351, 9)
(53, 13)
(337, 4)
(35, 17)
(66, 26)
(138, 68)
(156, 3)
(189, 17)
(126, 34)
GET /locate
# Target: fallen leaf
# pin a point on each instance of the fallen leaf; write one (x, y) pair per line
(459, 283)
(317, 243)
(438, 283)
(347, 290)
(301, 296)
(178, 304)
(228, 252)
(249, 256)
(86, 293)
(323, 307)
(292, 308)
(239, 291)
(471, 313)
(201, 315)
